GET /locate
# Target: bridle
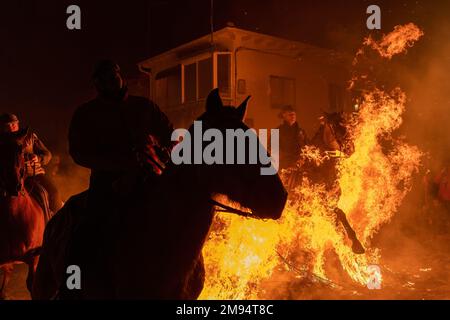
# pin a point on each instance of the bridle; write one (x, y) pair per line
(225, 208)
(215, 203)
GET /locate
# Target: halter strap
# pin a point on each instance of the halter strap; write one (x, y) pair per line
(226, 208)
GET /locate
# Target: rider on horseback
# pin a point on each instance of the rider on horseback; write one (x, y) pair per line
(37, 156)
(332, 132)
(114, 135)
(105, 133)
(331, 140)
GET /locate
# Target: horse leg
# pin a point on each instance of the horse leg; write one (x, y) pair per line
(195, 280)
(7, 272)
(45, 285)
(342, 218)
(32, 263)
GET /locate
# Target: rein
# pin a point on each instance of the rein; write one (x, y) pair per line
(226, 208)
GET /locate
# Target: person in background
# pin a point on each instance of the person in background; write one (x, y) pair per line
(292, 138)
(37, 157)
(442, 185)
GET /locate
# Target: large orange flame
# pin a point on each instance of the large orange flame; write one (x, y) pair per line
(397, 41)
(242, 254)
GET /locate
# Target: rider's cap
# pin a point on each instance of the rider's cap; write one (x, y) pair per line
(6, 118)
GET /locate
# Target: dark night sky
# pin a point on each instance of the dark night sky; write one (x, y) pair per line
(45, 68)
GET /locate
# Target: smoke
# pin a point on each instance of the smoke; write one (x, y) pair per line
(70, 179)
(428, 89)
(415, 243)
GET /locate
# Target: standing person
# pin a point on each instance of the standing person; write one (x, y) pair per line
(442, 184)
(38, 156)
(292, 138)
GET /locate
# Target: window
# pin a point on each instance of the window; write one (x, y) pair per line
(203, 73)
(168, 87)
(190, 82)
(205, 77)
(282, 92)
(336, 96)
(224, 74)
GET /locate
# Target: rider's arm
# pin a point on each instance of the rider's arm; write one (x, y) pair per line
(160, 125)
(303, 137)
(87, 152)
(41, 150)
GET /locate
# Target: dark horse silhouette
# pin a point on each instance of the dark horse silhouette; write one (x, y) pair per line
(154, 251)
(21, 217)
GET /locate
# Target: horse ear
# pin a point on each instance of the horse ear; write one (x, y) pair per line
(242, 109)
(214, 102)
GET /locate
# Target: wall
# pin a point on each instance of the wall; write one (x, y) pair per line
(312, 80)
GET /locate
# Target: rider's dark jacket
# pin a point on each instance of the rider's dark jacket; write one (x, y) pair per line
(292, 140)
(33, 145)
(104, 132)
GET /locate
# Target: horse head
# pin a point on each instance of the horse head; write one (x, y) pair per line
(337, 121)
(240, 182)
(12, 162)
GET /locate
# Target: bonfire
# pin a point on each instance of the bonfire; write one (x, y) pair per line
(251, 259)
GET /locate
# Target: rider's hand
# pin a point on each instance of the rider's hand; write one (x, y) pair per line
(148, 156)
(34, 159)
(33, 166)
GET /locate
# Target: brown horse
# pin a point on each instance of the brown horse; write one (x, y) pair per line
(153, 250)
(21, 217)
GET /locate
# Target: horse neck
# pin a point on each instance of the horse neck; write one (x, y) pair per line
(184, 183)
(15, 206)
